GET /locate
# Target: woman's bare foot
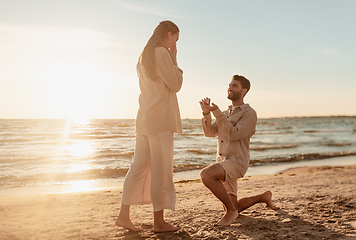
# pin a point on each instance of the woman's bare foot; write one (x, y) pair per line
(228, 218)
(127, 224)
(267, 198)
(164, 227)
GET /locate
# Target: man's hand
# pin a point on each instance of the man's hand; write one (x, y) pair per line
(206, 107)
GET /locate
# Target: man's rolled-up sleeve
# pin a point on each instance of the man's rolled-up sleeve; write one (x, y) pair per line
(209, 129)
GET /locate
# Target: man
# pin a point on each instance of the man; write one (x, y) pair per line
(234, 128)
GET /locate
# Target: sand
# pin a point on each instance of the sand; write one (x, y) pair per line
(315, 202)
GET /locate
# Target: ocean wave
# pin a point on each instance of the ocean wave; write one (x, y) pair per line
(15, 140)
(119, 123)
(125, 125)
(12, 181)
(274, 132)
(300, 157)
(90, 136)
(311, 131)
(123, 135)
(201, 151)
(268, 147)
(191, 126)
(327, 130)
(187, 167)
(267, 123)
(128, 155)
(31, 147)
(287, 127)
(44, 179)
(13, 160)
(90, 174)
(338, 144)
(191, 134)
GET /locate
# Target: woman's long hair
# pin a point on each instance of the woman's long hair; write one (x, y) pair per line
(148, 54)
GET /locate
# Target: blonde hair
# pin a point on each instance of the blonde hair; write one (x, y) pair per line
(148, 54)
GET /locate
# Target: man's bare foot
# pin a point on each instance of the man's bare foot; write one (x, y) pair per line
(164, 227)
(267, 198)
(127, 224)
(228, 218)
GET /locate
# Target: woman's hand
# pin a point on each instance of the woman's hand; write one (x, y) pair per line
(173, 52)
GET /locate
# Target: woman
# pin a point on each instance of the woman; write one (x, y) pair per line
(150, 178)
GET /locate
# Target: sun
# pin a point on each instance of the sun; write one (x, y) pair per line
(77, 89)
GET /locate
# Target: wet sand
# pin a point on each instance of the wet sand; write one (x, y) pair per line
(316, 203)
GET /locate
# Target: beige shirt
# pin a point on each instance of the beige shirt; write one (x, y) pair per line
(234, 132)
(158, 104)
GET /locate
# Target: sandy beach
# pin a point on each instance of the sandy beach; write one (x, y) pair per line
(316, 203)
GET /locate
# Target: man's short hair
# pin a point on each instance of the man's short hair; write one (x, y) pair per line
(245, 83)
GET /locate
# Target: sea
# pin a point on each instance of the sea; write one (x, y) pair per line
(78, 155)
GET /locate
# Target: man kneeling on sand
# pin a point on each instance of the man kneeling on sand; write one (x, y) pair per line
(234, 128)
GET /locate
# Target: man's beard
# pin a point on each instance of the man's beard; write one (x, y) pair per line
(234, 96)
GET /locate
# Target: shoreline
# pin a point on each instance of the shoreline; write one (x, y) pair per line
(107, 184)
(316, 203)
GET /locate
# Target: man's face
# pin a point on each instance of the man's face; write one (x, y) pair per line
(234, 91)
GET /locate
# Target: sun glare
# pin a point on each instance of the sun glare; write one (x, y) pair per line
(82, 186)
(80, 149)
(77, 89)
(77, 148)
(78, 167)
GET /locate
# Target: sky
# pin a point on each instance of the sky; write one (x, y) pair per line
(77, 58)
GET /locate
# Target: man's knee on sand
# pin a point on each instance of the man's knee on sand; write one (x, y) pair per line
(212, 172)
(204, 175)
